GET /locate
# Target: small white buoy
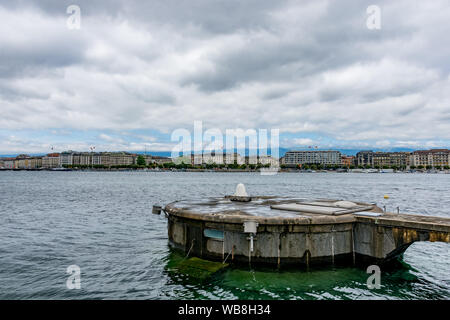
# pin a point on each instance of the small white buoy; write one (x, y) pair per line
(240, 191)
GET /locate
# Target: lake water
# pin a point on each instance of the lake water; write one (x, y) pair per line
(102, 222)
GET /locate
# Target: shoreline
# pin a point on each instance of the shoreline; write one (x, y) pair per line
(221, 170)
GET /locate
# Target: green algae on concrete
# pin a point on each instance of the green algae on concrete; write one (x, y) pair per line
(200, 268)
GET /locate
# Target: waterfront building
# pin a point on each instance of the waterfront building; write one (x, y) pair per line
(217, 158)
(313, 157)
(82, 159)
(382, 159)
(21, 161)
(274, 162)
(9, 163)
(207, 158)
(148, 159)
(51, 160)
(26, 162)
(161, 160)
(66, 158)
(364, 158)
(115, 159)
(399, 159)
(233, 158)
(35, 163)
(347, 161)
(211, 158)
(264, 160)
(196, 159)
(95, 158)
(433, 158)
(106, 159)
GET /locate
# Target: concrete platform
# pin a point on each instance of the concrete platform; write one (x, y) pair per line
(297, 231)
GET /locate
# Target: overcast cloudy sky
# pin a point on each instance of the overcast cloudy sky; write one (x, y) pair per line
(137, 70)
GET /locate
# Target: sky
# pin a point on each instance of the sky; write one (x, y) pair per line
(135, 71)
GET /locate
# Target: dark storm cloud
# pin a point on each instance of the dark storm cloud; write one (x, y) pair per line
(213, 16)
(30, 60)
(337, 37)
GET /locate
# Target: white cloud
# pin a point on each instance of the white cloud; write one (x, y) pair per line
(303, 141)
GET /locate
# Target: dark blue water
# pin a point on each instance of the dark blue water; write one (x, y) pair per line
(102, 222)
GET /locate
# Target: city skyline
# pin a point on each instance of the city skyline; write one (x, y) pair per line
(430, 159)
(132, 73)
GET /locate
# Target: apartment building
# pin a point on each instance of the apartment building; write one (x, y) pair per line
(399, 159)
(160, 160)
(66, 158)
(9, 163)
(313, 157)
(347, 161)
(27, 162)
(98, 158)
(264, 160)
(82, 158)
(115, 158)
(433, 157)
(382, 159)
(208, 158)
(364, 158)
(50, 161)
(217, 158)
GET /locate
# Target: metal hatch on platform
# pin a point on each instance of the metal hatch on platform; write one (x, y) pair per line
(333, 208)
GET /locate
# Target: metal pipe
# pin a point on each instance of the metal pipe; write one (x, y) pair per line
(192, 245)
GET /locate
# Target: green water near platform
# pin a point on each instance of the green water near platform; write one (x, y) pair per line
(337, 283)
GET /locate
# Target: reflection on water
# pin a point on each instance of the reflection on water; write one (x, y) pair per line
(102, 222)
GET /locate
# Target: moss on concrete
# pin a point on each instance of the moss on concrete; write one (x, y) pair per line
(199, 268)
